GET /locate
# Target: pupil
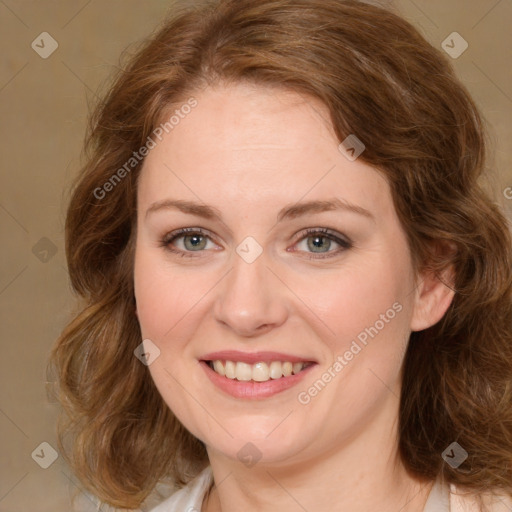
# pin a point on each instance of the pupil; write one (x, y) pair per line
(193, 240)
(317, 243)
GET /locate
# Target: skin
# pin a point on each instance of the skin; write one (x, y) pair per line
(249, 151)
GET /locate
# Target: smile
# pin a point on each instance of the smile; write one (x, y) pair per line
(256, 375)
(258, 372)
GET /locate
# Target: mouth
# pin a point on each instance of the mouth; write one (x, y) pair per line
(254, 376)
(262, 371)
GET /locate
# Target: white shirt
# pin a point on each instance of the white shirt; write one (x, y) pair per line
(442, 498)
(189, 498)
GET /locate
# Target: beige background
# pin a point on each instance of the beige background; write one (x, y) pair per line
(43, 108)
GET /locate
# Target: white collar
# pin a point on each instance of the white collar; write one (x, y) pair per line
(439, 498)
(191, 496)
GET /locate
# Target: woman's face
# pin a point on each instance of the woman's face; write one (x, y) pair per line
(253, 169)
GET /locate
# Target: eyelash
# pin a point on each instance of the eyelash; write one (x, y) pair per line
(322, 232)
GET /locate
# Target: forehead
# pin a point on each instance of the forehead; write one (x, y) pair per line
(248, 143)
(242, 117)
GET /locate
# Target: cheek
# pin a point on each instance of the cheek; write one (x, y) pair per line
(165, 313)
(161, 294)
(353, 298)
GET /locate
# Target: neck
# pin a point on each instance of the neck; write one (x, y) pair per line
(362, 473)
(270, 493)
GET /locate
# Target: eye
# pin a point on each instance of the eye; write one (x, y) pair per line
(321, 238)
(194, 240)
(317, 239)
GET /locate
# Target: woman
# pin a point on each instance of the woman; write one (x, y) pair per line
(221, 345)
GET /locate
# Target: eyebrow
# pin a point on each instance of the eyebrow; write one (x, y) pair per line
(290, 211)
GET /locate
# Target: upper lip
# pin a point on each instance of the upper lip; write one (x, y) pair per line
(254, 357)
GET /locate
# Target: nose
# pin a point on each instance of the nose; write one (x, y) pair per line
(251, 300)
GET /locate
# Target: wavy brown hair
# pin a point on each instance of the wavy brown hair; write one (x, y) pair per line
(381, 80)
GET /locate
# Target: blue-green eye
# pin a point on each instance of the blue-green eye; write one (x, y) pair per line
(319, 239)
(195, 240)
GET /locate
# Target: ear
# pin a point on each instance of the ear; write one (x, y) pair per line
(433, 295)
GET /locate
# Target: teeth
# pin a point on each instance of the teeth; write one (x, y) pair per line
(243, 371)
(297, 367)
(276, 370)
(259, 372)
(287, 369)
(230, 368)
(219, 368)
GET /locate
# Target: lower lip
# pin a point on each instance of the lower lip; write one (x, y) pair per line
(251, 389)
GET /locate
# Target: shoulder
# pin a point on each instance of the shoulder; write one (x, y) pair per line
(188, 498)
(464, 502)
